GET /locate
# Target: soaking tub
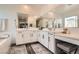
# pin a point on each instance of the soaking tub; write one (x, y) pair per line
(4, 43)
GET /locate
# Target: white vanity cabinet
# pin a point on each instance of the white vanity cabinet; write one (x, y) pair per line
(40, 37)
(22, 37)
(26, 36)
(19, 38)
(33, 36)
(51, 41)
(47, 39)
(43, 38)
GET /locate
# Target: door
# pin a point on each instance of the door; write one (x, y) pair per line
(51, 41)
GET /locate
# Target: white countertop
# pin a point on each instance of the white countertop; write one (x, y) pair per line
(72, 36)
(3, 40)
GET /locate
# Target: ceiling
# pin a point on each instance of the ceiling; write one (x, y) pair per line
(63, 10)
(31, 9)
(67, 10)
(42, 9)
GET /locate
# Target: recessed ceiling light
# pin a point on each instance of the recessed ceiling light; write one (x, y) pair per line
(50, 14)
(26, 7)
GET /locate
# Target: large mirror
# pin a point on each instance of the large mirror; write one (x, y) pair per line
(67, 22)
(71, 21)
(58, 23)
(44, 22)
(22, 20)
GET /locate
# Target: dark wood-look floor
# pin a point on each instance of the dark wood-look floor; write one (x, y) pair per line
(34, 48)
(30, 49)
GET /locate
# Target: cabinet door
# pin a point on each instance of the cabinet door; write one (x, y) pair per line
(26, 36)
(39, 36)
(51, 41)
(19, 38)
(34, 36)
(31, 36)
(45, 38)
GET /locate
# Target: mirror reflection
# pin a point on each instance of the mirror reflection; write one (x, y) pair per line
(71, 21)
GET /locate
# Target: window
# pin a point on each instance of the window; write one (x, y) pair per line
(71, 21)
(3, 24)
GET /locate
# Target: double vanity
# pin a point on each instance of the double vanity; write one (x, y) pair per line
(46, 38)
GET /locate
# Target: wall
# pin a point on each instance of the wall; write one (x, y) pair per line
(11, 22)
(68, 13)
(10, 12)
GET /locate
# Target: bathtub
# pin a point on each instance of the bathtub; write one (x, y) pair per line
(5, 43)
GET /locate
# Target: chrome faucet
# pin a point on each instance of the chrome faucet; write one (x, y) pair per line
(66, 31)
